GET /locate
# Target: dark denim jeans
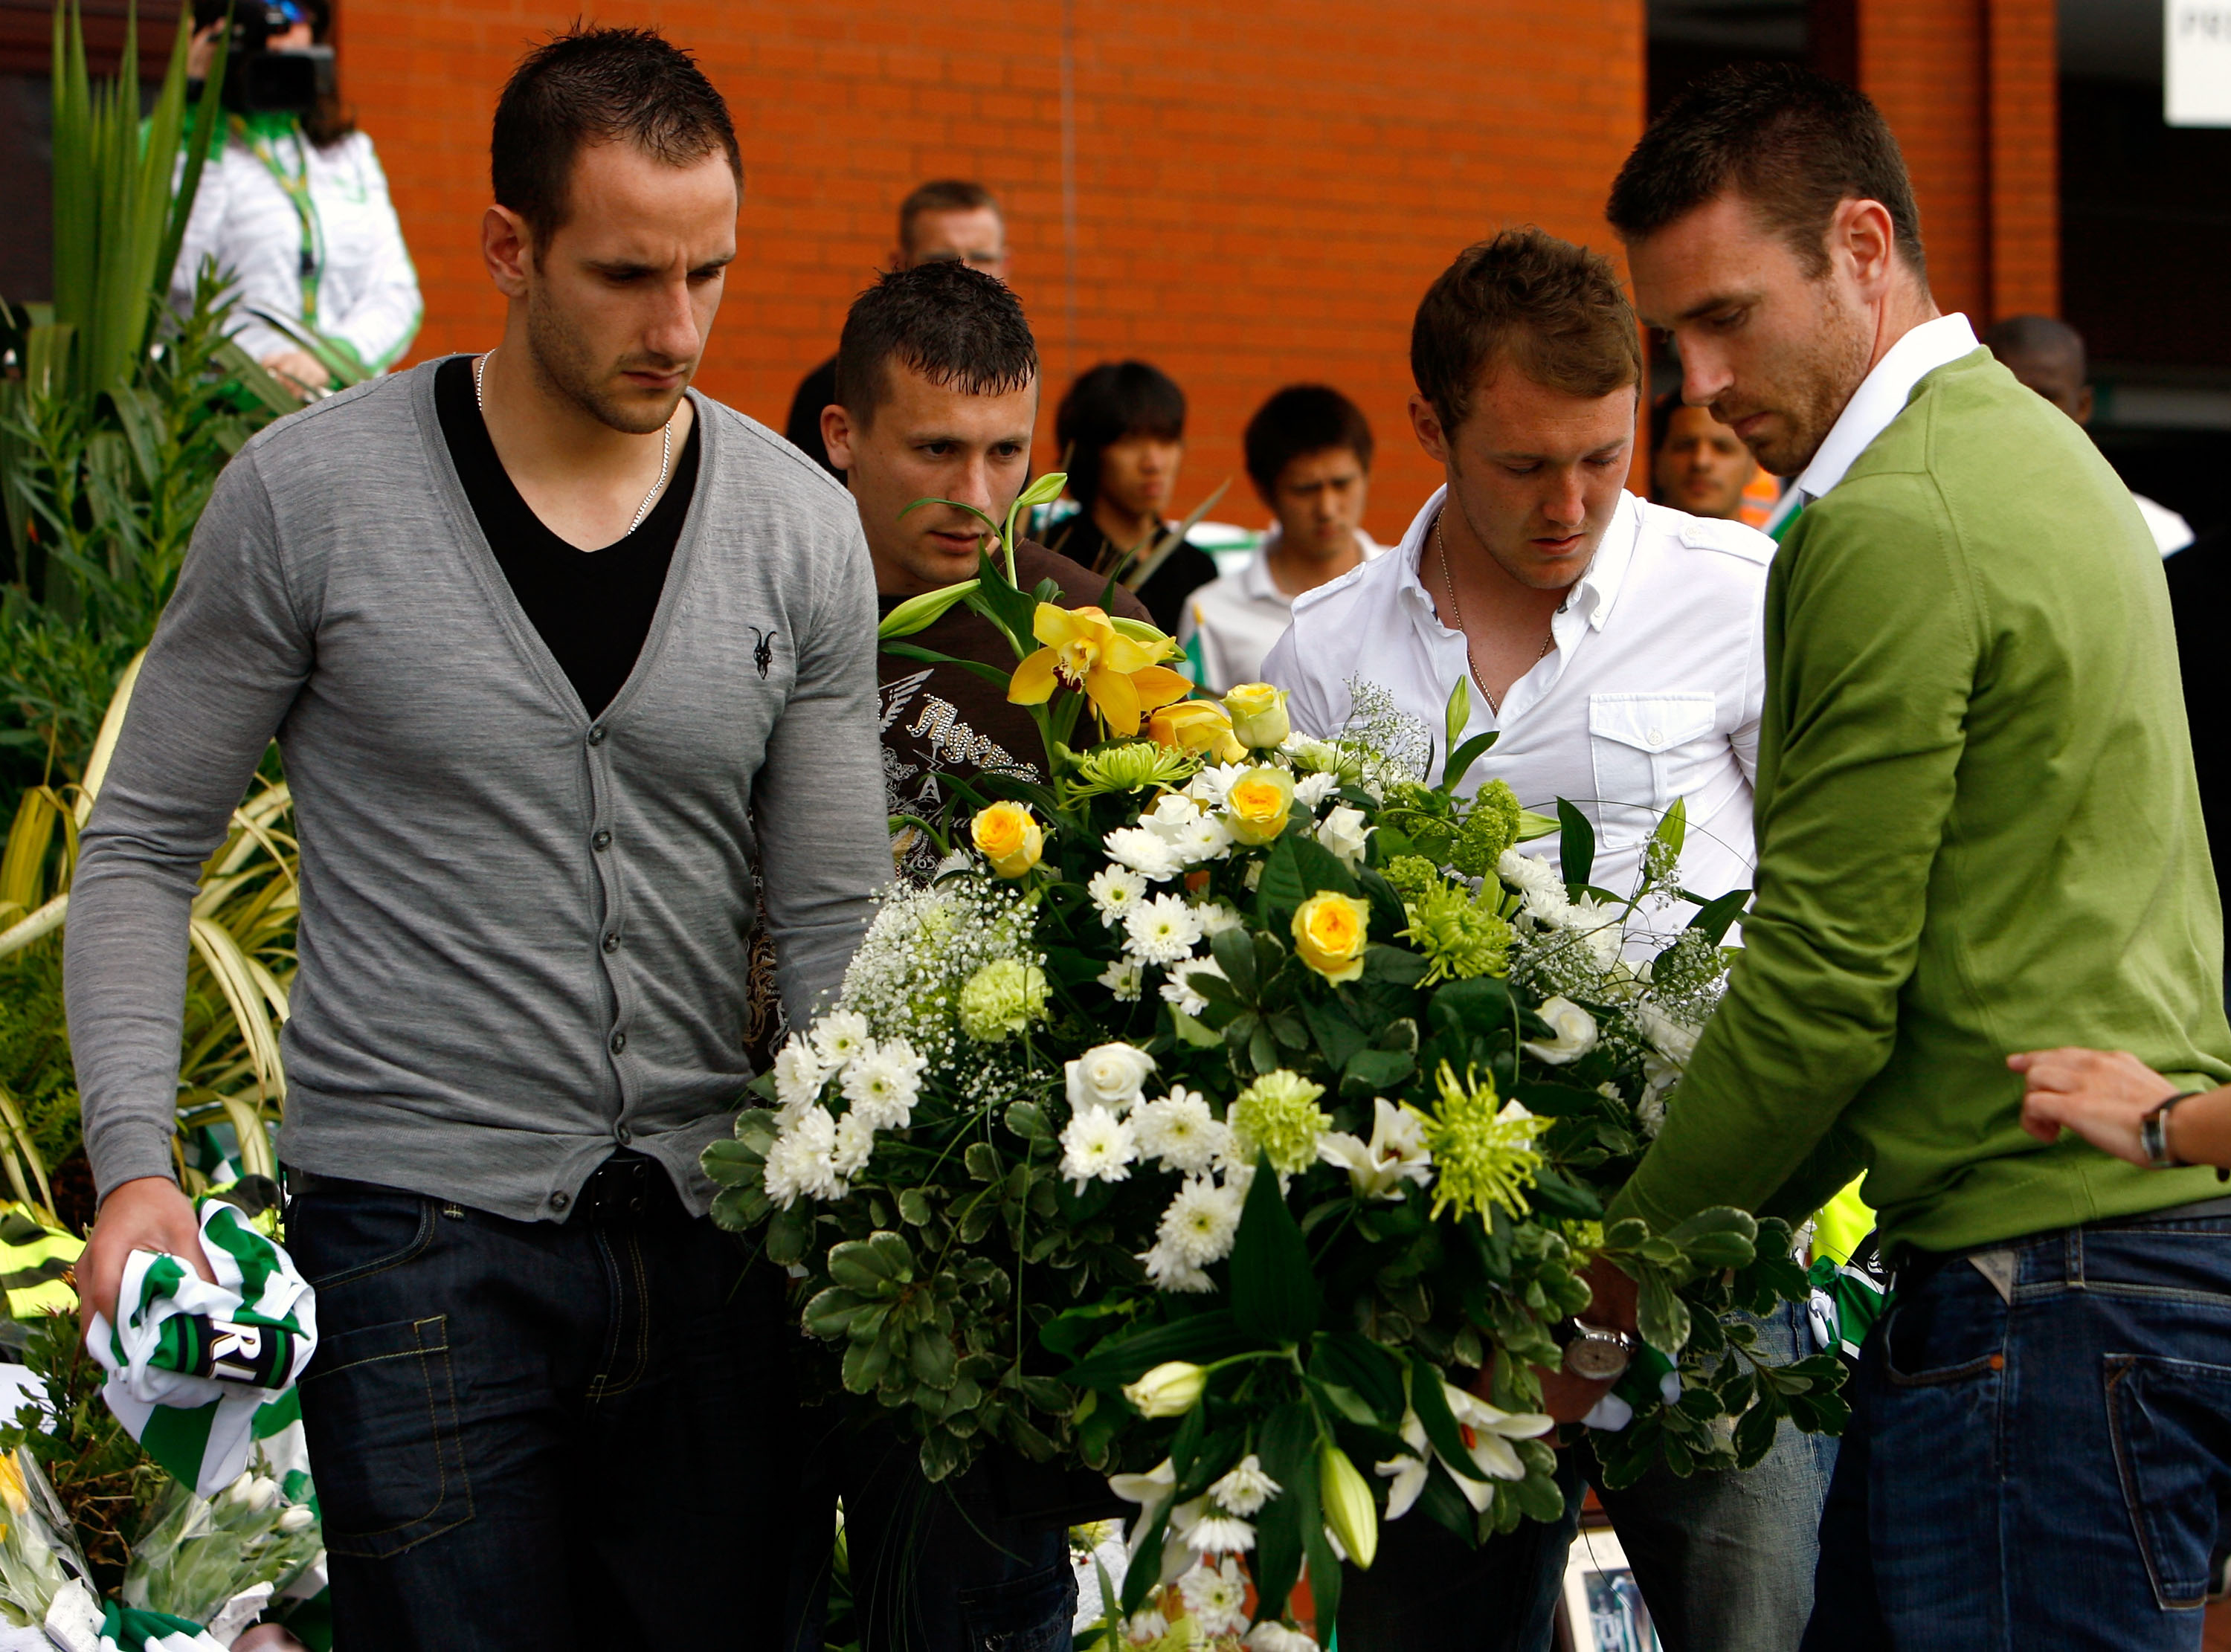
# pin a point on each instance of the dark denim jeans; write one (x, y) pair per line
(954, 1567)
(530, 1437)
(1724, 1560)
(2050, 1468)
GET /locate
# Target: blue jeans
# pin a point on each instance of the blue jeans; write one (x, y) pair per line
(2050, 1468)
(1726, 1561)
(962, 1565)
(530, 1437)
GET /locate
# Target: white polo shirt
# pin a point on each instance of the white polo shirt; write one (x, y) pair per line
(1653, 691)
(1239, 616)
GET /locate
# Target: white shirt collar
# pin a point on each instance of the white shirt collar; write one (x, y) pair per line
(1882, 396)
(1590, 601)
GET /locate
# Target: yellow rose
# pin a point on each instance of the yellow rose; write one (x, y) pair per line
(1329, 931)
(1008, 836)
(1196, 725)
(1257, 806)
(1258, 715)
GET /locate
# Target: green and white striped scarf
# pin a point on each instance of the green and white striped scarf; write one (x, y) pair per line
(198, 1372)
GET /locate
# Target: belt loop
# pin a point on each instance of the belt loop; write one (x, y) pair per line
(2072, 1263)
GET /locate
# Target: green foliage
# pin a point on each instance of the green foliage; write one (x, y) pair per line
(35, 1058)
(105, 1483)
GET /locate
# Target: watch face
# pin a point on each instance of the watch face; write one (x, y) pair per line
(1597, 1357)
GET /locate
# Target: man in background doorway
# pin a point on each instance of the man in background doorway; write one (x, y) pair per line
(1308, 454)
(2047, 355)
(947, 221)
(1697, 464)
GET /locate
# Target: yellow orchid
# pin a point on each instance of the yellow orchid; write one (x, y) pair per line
(1084, 651)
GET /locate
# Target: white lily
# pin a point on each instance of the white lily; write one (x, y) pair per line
(1151, 1491)
(1396, 1152)
(1487, 1431)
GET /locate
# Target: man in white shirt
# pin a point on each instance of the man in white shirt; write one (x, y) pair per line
(1614, 647)
(2048, 357)
(1309, 453)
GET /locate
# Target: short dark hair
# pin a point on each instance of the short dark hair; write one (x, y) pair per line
(1108, 402)
(1793, 144)
(600, 85)
(1554, 310)
(2038, 335)
(954, 326)
(1300, 420)
(941, 195)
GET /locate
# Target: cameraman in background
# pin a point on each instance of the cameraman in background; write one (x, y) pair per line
(293, 204)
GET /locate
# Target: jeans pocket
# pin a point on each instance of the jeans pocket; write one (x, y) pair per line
(380, 1412)
(1950, 1328)
(341, 1236)
(2171, 1420)
(1032, 1613)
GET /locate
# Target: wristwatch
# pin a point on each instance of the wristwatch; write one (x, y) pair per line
(2153, 1132)
(1594, 1353)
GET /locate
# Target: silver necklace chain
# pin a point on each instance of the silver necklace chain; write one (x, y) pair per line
(1456, 613)
(665, 445)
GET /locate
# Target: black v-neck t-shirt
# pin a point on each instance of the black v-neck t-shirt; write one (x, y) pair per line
(592, 608)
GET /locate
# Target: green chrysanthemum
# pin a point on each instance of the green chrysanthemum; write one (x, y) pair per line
(1001, 999)
(1132, 767)
(1490, 827)
(1278, 1115)
(1462, 938)
(1411, 875)
(1482, 1148)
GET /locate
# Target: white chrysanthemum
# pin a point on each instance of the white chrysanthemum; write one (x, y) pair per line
(1114, 890)
(1200, 1223)
(1210, 787)
(1216, 1597)
(1162, 930)
(1124, 978)
(802, 1162)
(1143, 1628)
(855, 1140)
(1269, 1636)
(1170, 1271)
(799, 1073)
(1181, 1131)
(1313, 789)
(1527, 872)
(1598, 925)
(1178, 990)
(1245, 1489)
(838, 1037)
(1220, 1534)
(1216, 918)
(1145, 852)
(883, 1085)
(1206, 837)
(1097, 1145)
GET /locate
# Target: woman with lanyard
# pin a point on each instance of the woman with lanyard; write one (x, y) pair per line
(294, 207)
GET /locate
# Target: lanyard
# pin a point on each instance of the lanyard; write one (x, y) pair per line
(294, 183)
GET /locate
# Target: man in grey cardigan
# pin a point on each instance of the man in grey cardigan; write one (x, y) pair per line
(557, 655)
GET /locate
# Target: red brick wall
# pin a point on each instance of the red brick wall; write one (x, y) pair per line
(1262, 192)
(1969, 87)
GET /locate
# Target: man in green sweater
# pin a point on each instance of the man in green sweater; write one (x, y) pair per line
(1978, 833)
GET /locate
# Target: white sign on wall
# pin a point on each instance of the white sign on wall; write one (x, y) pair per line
(2196, 81)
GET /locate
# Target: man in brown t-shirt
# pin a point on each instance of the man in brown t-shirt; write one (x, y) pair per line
(937, 390)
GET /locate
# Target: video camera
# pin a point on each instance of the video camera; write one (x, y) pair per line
(260, 78)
